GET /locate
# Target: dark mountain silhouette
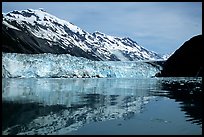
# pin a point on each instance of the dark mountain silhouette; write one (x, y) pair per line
(187, 61)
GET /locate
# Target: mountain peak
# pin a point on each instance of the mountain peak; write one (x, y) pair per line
(98, 33)
(41, 9)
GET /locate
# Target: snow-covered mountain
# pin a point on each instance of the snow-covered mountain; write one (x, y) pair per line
(36, 31)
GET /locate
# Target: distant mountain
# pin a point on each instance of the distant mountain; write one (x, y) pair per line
(36, 31)
(187, 61)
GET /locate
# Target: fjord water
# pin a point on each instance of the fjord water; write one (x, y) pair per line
(168, 106)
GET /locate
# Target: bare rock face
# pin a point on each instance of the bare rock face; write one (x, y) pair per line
(187, 61)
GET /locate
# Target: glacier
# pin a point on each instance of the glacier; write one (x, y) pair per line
(47, 65)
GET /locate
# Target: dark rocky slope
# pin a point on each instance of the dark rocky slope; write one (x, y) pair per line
(187, 61)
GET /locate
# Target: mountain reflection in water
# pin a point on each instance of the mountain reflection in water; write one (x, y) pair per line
(60, 106)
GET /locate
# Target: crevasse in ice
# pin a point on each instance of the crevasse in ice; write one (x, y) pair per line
(64, 65)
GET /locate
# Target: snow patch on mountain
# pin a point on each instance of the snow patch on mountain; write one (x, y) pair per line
(9, 25)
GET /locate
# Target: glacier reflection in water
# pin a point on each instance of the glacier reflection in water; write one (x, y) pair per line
(67, 106)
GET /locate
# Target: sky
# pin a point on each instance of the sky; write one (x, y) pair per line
(161, 27)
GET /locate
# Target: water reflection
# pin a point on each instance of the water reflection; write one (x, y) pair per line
(59, 106)
(63, 105)
(189, 93)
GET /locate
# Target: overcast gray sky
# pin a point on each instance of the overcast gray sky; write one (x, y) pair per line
(158, 26)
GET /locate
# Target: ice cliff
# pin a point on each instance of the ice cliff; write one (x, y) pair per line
(57, 66)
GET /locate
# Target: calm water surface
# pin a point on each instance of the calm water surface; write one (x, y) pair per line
(102, 106)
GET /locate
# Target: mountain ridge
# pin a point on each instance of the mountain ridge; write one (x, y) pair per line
(36, 31)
